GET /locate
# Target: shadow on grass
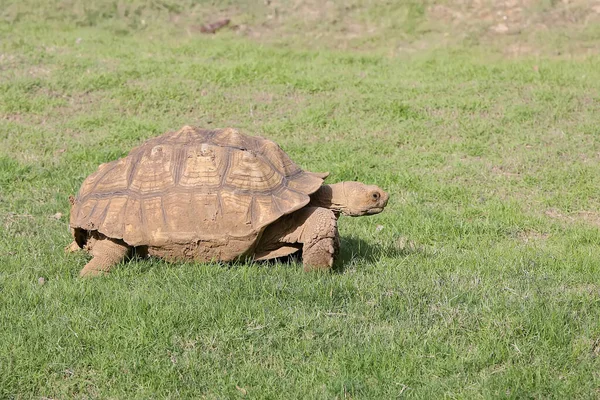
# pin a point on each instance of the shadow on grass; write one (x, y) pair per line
(353, 251)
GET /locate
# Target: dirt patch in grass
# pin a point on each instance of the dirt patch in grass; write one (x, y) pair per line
(515, 22)
(514, 25)
(586, 217)
(529, 236)
(589, 217)
(82, 102)
(511, 16)
(504, 171)
(12, 117)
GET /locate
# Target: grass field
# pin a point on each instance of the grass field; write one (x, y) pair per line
(481, 279)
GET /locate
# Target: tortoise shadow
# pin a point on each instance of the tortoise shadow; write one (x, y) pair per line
(354, 250)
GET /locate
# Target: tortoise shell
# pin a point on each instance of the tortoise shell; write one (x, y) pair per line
(214, 187)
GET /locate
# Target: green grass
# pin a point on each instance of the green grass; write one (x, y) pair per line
(481, 279)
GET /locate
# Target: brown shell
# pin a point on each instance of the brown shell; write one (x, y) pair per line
(193, 186)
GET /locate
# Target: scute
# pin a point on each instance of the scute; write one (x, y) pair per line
(250, 171)
(193, 187)
(201, 167)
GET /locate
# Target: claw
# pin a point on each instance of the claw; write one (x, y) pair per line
(73, 247)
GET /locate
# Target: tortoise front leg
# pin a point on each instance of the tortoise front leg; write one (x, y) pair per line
(320, 238)
(315, 228)
(106, 253)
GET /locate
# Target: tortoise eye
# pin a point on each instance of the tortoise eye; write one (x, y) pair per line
(375, 196)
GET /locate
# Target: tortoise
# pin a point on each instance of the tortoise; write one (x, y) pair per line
(212, 195)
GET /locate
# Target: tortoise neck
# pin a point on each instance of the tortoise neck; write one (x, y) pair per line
(331, 197)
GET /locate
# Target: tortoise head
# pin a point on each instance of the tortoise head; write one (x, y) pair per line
(351, 198)
(360, 199)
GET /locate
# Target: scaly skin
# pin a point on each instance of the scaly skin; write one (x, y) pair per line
(314, 229)
(350, 198)
(106, 253)
(320, 239)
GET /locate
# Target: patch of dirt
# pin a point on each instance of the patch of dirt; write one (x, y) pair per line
(529, 235)
(596, 348)
(38, 71)
(359, 25)
(9, 61)
(14, 117)
(554, 213)
(517, 21)
(79, 103)
(504, 171)
(512, 16)
(589, 217)
(586, 217)
(264, 97)
(582, 288)
(501, 16)
(407, 245)
(10, 218)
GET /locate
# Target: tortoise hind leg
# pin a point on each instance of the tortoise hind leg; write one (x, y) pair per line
(106, 253)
